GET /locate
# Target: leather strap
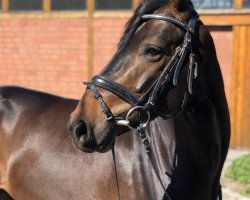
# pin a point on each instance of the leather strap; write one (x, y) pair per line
(116, 174)
(187, 45)
(163, 79)
(116, 89)
(109, 115)
(168, 19)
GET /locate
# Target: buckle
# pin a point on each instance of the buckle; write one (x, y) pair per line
(109, 117)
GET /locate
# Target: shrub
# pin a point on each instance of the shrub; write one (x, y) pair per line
(240, 169)
(246, 191)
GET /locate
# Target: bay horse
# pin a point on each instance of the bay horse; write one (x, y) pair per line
(39, 161)
(165, 66)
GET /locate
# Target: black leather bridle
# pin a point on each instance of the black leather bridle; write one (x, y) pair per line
(168, 77)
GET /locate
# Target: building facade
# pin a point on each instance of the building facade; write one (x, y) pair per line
(54, 45)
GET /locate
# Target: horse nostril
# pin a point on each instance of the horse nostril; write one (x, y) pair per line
(81, 131)
(83, 136)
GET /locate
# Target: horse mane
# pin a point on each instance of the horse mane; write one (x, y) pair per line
(146, 7)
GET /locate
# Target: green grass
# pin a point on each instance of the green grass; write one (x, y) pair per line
(240, 171)
(246, 191)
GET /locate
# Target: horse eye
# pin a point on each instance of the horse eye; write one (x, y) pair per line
(152, 50)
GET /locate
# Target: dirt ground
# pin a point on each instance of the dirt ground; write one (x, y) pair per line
(231, 189)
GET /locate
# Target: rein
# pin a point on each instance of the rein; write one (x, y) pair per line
(167, 79)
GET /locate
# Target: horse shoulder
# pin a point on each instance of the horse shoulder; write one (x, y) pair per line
(8, 120)
(25, 118)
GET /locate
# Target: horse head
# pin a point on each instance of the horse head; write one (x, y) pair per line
(153, 73)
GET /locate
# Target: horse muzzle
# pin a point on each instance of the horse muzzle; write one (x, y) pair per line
(84, 138)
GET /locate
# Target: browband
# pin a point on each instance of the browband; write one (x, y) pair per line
(168, 19)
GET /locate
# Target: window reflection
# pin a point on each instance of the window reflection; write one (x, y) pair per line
(113, 4)
(213, 4)
(246, 4)
(68, 4)
(24, 5)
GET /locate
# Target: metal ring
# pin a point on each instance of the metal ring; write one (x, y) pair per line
(140, 109)
(195, 70)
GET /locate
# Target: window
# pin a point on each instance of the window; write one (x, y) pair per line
(113, 4)
(68, 4)
(25, 5)
(246, 4)
(213, 4)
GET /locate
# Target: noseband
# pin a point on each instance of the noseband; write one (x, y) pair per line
(168, 78)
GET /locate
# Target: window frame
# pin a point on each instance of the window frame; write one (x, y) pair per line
(238, 4)
(47, 6)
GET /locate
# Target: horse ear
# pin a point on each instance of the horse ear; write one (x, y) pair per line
(181, 5)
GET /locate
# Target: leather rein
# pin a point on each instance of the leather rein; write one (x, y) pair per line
(168, 78)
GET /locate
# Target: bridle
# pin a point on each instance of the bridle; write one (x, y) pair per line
(167, 80)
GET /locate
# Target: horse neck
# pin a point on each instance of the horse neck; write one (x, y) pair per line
(193, 172)
(168, 143)
(182, 174)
